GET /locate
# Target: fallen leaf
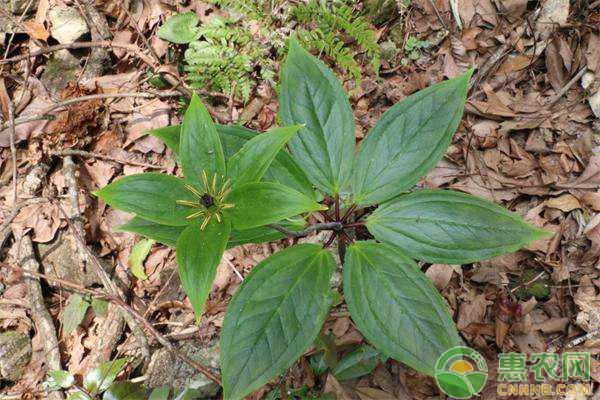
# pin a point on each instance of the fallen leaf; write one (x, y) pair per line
(566, 202)
(36, 30)
(367, 393)
(590, 178)
(440, 274)
(554, 13)
(44, 219)
(335, 388)
(472, 311)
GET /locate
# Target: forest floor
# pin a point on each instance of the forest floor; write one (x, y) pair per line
(74, 117)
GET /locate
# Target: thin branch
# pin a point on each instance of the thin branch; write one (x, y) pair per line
(87, 154)
(326, 226)
(566, 88)
(13, 150)
(40, 315)
(101, 96)
(82, 45)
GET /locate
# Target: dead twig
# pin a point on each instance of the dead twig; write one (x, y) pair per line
(40, 315)
(566, 88)
(13, 149)
(102, 96)
(87, 154)
(132, 48)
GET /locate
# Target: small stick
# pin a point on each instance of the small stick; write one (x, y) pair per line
(326, 226)
(87, 154)
(13, 149)
(81, 45)
(101, 96)
(566, 88)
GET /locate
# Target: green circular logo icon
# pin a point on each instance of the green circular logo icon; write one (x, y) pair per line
(461, 372)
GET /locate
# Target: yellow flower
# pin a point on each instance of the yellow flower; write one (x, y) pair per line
(210, 200)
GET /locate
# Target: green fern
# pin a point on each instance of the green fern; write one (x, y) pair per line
(326, 26)
(226, 56)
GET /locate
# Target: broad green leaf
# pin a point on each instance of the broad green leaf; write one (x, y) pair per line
(408, 140)
(100, 307)
(74, 312)
(396, 307)
(283, 169)
(169, 135)
(60, 379)
(164, 234)
(180, 28)
(198, 255)
(311, 94)
(262, 203)
(262, 234)
(444, 226)
(161, 393)
(200, 147)
(168, 235)
(125, 390)
(286, 171)
(250, 163)
(151, 196)
(136, 258)
(274, 317)
(78, 395)
(99, 379)
(359, 362)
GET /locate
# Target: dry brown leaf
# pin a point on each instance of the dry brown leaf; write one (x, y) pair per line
(588, 302)
(36, 30)
(440, 274)
(101, 172)
(367, 393)
(23, 131)
(43, 219)
(554, 13)
(513, 64)
(554, 62)
(592, 232)
(566, 202)
(590, 178)
(335, 388)
(513, 9)
(472, 311)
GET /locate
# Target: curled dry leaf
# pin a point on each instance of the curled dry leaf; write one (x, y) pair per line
(588, 302)
(472, 311)
(566, 202)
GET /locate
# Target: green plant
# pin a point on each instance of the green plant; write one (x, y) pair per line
(327, 26)
(413, 48)
(222, 54)
(100, 383)
(280, 307)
